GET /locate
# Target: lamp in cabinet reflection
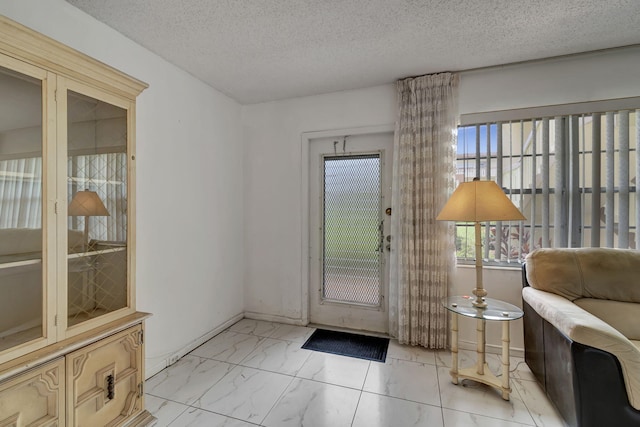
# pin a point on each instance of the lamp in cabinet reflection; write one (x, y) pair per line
(479, 201)
(87, 204)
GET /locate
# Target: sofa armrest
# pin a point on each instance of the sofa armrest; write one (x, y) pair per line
(525, 281)
(582, 327)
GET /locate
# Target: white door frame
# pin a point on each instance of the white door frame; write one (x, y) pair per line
(304, 196)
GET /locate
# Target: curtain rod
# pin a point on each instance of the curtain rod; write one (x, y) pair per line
(550, 58)
(531, 61)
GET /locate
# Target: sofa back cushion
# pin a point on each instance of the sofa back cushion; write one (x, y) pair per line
(620, 315)
(600, 273)
(19, 241)
(22, 241)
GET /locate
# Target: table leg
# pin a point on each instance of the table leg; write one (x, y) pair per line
(505, 361)
(454, 348)
(480, 324)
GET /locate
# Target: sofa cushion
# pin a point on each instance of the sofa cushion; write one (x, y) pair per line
(600, 273)
(17, 241)
(585, 328)
(24, 241)
(623, 316)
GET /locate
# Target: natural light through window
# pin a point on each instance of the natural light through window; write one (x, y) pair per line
(573, 177)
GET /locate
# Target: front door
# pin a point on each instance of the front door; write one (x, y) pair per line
(350, 191)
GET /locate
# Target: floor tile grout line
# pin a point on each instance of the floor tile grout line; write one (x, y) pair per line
(192, 405)
(274, 372)
(172, 401)
(531, 412)
(295, 375)
(519, 397)
(198, 408)
(271, 334)
(366, 375)
(439, 394)
(329, 383)
(262, 338)
(333, 384)
(258, 345)
(514, 389)
(277, 401)
(412, 361)
(402, 398)
(355, 411)
(489, 416)
(233, 366)
(304, 363)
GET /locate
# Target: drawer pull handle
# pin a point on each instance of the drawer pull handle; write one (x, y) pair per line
(111, 392)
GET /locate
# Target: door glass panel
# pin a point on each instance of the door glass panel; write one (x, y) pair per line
(97, 191)
(352, 230)
(21, 279)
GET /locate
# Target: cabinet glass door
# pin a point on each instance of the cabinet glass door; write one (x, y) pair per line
(97, 211)
(21, 210)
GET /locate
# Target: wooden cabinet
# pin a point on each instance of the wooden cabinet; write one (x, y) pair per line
(35, 397)
(67, 192)
(105, 381)
(92, 379)
(71, 349)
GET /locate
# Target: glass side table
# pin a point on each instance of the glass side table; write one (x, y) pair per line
(496, 310)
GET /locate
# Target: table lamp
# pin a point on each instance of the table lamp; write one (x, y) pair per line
(478, 201)
(86, 203)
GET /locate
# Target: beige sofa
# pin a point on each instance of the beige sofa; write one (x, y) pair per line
(582, 332)
(26, 243)
(20, 281)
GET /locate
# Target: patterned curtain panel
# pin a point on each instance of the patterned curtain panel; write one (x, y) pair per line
(423, 254)
(106, 174)
(21, 193)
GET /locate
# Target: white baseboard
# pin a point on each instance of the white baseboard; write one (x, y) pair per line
(490, 348)
(174, 357)
(271, 318)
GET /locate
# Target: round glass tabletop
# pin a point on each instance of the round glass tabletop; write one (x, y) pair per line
(495, 310)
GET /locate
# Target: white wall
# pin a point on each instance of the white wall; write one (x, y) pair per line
(590, 77)
(189, 184)
(272, 136)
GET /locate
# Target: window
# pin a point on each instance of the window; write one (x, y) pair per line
(572, 175)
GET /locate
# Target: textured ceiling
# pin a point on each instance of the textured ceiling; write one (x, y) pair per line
(262, 50)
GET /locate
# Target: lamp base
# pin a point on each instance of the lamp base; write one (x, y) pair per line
(479, 302)
(479, 291)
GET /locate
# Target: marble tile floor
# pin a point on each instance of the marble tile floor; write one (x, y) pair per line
(256, 374)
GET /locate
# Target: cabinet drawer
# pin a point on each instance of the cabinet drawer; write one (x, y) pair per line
(34, 398)
(104, 381)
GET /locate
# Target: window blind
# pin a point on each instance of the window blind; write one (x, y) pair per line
(572, 175)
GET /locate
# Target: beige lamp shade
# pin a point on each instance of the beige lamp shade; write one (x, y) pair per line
(479, 201)
(87, 203)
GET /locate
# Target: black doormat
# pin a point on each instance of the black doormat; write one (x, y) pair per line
(346, 344)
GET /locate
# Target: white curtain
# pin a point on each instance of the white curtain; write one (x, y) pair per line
(21, 193)
(423, 250)
(106, 174)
